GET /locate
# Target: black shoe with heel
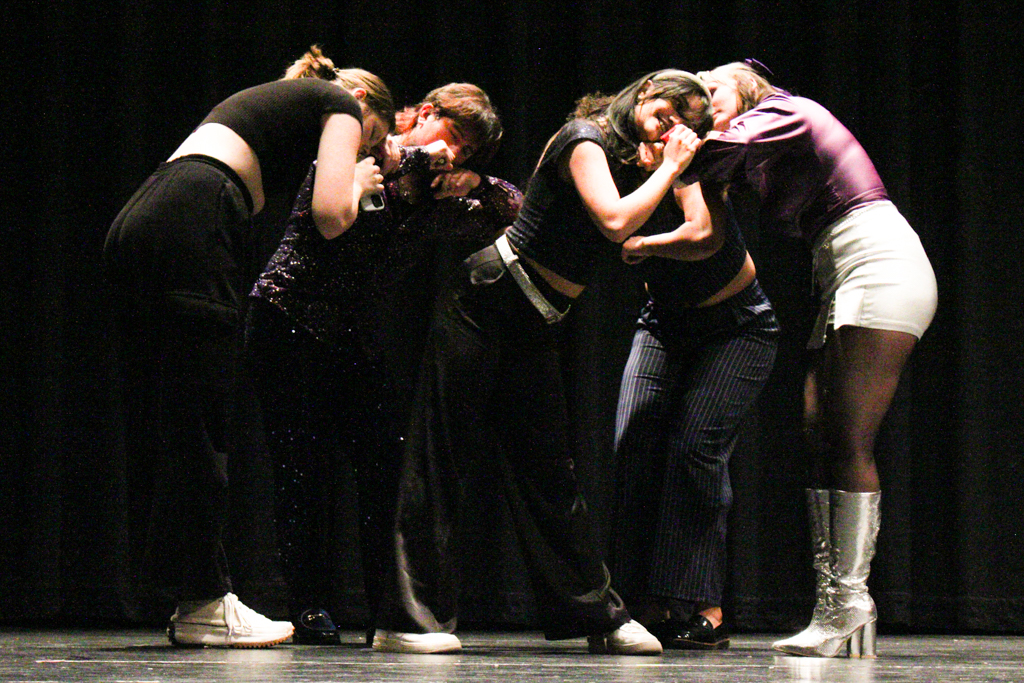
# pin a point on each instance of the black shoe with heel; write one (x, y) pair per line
(315, 627)
(695, 634)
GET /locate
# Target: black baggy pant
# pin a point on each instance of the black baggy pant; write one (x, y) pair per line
(172, 258)
(491, 398)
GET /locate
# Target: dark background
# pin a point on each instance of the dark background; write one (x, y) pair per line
(96, 94)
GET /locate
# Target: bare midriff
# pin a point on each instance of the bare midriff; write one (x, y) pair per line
(220, 142)
(557, 282)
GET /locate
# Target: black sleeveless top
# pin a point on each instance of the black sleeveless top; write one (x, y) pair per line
(553, 227)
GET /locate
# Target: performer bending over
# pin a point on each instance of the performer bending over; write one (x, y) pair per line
(878, 296)
(491, 388)
(174, 257)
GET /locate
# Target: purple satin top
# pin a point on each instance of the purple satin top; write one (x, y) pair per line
(806, 167)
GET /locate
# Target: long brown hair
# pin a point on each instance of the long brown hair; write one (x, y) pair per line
(314, 64)
(617, 113)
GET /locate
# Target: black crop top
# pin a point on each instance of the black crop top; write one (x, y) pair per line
(281, 121)
(673, 282)
(553, 227)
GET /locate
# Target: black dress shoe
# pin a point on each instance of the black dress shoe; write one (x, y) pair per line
(695, 634)
(315, 627)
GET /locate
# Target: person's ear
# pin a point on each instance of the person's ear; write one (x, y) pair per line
(424, 113)
(358, 93)
(642, 93)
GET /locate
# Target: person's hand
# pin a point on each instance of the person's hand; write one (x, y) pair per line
(441, 156)
(456, 183)
(391, 156)
(631, 250)
(681, 144)
(368, 179)
(649, 155)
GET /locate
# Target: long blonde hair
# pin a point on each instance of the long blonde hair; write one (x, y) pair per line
(314, 64)
(751, 86)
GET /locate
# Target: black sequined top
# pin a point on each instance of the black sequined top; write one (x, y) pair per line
(335, 288)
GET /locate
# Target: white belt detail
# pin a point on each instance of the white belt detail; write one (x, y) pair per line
(543, 306)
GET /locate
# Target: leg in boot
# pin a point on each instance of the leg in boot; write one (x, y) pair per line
(821, 546)
(849, 614)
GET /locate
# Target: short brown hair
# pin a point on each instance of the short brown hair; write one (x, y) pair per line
(469, 107)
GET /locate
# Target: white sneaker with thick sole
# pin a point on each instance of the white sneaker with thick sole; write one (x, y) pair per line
(415, 643)
(629, 639)
(225, 622)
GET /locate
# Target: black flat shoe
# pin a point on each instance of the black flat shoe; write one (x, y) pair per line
(695, 634)
(315, 627)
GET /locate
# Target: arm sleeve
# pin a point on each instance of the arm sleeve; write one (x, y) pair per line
(753, 138)
(489, 208)
(413, 159)
(339, 101)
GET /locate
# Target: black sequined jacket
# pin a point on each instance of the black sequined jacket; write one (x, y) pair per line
(344, 286)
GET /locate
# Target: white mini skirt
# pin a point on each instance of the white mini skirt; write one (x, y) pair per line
(872, 272)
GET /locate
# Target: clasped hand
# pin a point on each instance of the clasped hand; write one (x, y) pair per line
(678, 146)
(368, 178)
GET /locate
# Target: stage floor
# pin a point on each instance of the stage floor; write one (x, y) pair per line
(141, 656)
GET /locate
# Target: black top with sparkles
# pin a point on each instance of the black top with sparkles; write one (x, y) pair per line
(333, 288)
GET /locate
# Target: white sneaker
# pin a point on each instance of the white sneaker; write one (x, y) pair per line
(629, 639)
(225, 622)
(415, 643)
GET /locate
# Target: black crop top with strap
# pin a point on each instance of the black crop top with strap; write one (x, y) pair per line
(672, 282)
(281, 121)
(553, 227)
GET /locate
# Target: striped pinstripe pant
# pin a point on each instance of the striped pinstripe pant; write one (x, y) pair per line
(691, 377)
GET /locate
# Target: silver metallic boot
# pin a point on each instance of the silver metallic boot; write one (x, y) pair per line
(821, 549)
(848, 616)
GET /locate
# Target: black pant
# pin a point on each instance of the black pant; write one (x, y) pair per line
(172, 257)
(490, 398)
(178, 391)
(324, 408)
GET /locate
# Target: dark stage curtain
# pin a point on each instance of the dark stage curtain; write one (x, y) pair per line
(97, 95)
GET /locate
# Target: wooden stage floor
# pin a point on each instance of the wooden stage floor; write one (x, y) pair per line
(141, 656)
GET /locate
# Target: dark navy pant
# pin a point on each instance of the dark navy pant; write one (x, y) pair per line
(692, 376)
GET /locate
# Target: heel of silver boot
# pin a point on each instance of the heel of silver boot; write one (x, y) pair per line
(862, 642)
